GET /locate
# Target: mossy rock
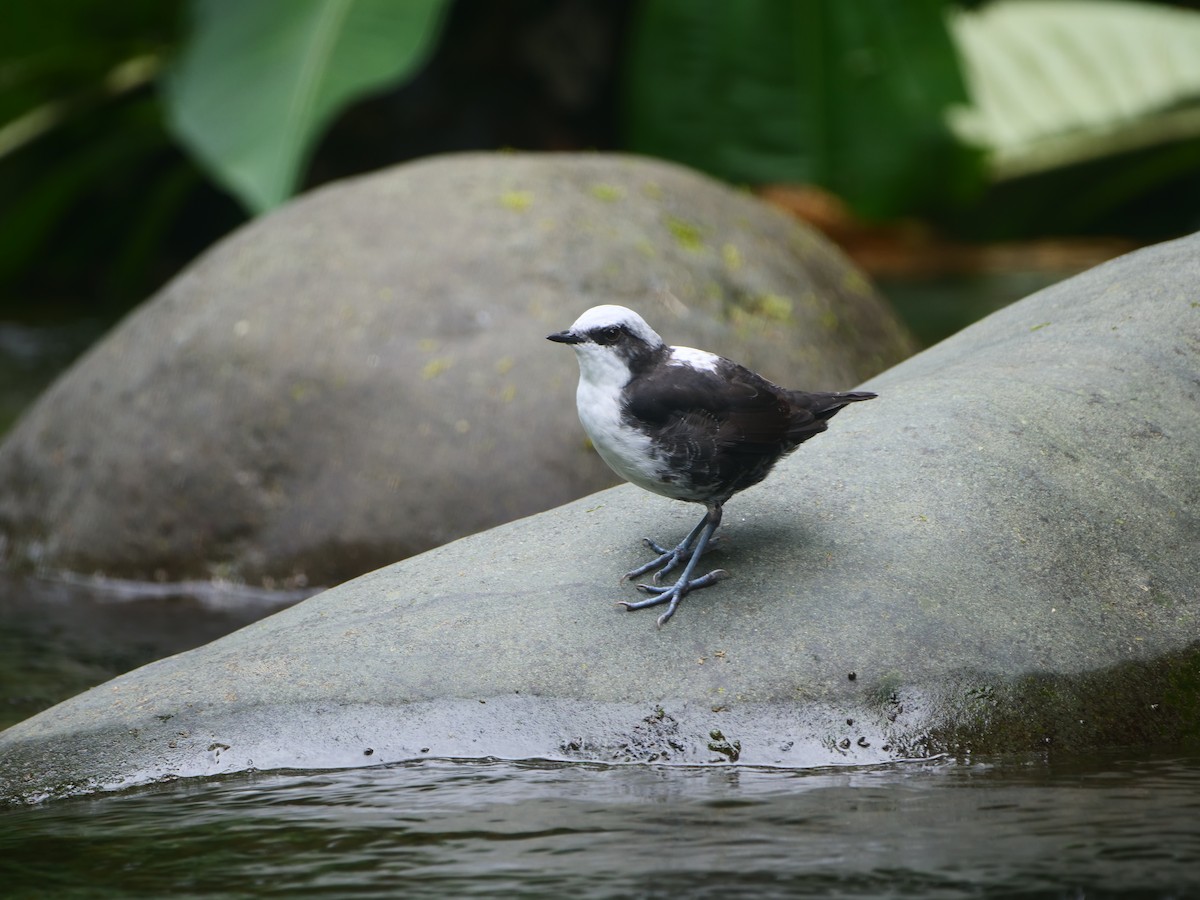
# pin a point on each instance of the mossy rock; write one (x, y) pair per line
(362, 375)
(998, 554)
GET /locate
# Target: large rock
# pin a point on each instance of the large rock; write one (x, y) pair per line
(362, 375)
(1000, 553)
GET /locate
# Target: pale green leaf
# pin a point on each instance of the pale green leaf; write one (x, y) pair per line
(259, 80)
(1056, 82)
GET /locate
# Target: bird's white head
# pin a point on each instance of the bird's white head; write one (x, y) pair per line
(611, 342)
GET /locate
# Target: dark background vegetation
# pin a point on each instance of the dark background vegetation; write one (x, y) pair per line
(101, 203)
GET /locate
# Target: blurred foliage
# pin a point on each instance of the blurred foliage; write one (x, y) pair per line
(122, 126)
(306, 60)
(1091, 115)
(91, 186)
(849, 95)
(1058, 82)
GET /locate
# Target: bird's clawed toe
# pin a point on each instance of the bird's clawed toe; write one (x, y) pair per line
(673, 594)
(652, 544)
(664, 562)
(668, 559)
(660, 592)
(690, 548)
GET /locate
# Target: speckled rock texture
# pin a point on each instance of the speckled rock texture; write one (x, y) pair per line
(998, 554)
(363, 374)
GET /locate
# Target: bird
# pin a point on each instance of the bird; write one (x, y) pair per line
(686, 424)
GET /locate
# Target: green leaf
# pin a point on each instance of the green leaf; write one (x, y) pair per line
(1056, 83)
(848, 94)
(258, 81)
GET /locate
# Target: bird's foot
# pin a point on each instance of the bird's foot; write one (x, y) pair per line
(673, 594)
(667, 559)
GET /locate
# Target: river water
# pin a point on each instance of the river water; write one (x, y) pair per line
(1122, 826)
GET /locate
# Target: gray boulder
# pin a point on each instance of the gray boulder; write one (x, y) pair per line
(362, 375)
(998, 554)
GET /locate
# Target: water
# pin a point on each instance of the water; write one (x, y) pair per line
(1115, 827)
(59, 638)
(32, 356)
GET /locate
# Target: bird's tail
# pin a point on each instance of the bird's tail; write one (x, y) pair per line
(826, 405)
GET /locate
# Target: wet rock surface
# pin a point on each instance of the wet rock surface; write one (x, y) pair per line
(363, 374)
(998, 554)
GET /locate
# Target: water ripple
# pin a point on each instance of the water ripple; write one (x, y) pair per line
(1104, 828)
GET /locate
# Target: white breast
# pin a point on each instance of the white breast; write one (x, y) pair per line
(627, 451)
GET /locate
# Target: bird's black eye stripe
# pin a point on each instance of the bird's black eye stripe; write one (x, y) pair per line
(608, 335)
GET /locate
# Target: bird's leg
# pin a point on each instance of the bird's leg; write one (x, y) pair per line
(667, 559)
(673, 594)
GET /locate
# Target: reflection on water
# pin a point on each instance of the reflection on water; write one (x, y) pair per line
(32, 355)
(1106, 828)
(59, 638)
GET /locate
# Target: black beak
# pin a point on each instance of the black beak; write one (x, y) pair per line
(565, 337)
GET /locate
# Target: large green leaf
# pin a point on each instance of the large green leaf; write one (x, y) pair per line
(258, 80)
(1058, 82)
(849, 94)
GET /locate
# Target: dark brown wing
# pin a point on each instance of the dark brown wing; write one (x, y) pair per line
(724, 429)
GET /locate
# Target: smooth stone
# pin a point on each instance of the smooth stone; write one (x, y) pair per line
(997, 555)
(362, 375)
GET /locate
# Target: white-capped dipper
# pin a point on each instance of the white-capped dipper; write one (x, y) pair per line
(686, 424)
